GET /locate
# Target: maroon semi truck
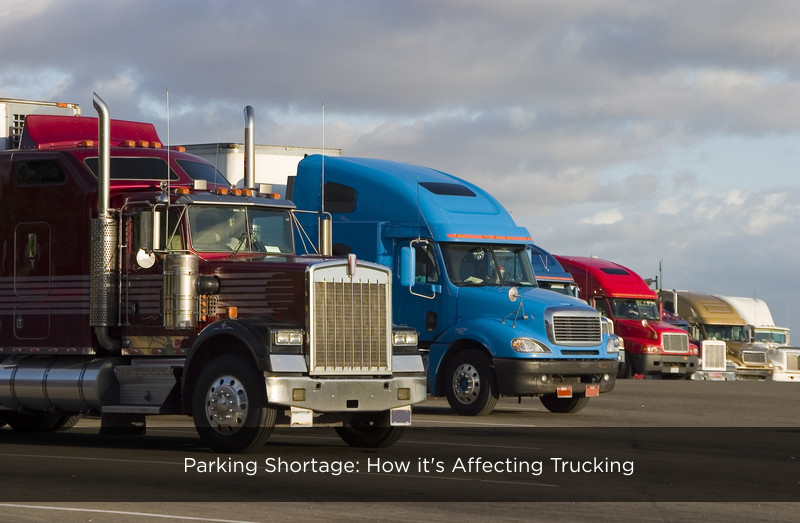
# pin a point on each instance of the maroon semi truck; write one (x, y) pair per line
(134, 281)
(652, 346)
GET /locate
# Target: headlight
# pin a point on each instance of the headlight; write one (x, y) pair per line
(405, 338)
(287, 337)
(614, 343)
(652, 349)
(528, 345)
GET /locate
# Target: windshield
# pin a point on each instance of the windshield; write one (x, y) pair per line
(543, 262)
(240, 229)
(633, 309)
(203, 171)
(473, 264)
(726, 332)
(561, 288)
(765, 336)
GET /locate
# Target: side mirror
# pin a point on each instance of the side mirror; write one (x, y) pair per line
(408, 267)
(149, 230)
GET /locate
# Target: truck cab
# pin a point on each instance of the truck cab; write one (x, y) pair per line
(138, 282)
(464, 280)
(652, 346)
(713, 320)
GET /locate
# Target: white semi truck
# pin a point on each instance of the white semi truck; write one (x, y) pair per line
(764, 333)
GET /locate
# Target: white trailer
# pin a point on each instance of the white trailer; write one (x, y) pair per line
(273, 165)
(764, 332)
(13, 113)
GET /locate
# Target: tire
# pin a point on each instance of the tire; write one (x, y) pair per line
(471, 389)
(369, 430)
(42, 422)
(624, 370)
(564, 405)
(229, 406)
(632, 370)
(67, 422)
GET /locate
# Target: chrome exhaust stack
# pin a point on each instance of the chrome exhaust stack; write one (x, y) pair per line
(103, 241)
(249, 148)
(325, 234)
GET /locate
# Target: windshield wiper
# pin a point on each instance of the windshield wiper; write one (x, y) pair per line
(242, 239)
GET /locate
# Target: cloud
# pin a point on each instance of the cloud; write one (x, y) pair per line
(603, 218)
(636, 131)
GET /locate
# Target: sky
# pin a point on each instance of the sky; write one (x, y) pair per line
(649, 133)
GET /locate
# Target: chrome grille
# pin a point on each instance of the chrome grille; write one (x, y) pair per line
(350, 321)
(675, 342)
(750, 357)
(713, 356)
(576, 328)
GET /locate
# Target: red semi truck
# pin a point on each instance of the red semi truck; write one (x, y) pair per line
(135, 281)
(652, 346)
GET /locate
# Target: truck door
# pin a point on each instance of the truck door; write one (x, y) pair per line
(32, 280)
(421, 305)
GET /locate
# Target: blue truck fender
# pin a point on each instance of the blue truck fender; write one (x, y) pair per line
(486, 333)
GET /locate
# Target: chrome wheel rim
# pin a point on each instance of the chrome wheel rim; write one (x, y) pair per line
(466, 383)
(226, 404)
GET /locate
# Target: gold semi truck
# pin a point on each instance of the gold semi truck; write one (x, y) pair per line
(712, 319)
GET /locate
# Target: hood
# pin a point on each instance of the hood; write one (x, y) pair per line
(494, 301)
(625, 325)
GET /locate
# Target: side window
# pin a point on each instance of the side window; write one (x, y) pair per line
(39, 172)
(425, 265)
(602, 308)
(339, 198)
(170, 234)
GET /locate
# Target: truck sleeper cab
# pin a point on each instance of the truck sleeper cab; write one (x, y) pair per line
(189, 299)
(464, 280)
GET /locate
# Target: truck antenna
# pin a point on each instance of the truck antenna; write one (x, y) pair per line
(322, 172)
(168, 143)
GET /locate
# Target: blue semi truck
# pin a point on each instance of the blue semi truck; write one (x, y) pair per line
(550, 274)
(464, 280)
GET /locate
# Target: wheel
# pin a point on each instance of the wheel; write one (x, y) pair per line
(471, 389)
(67, 422)
(629, 362)
(229, 406)
(564, 405)
(370, 430)
(41, 422)
(624, 370)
